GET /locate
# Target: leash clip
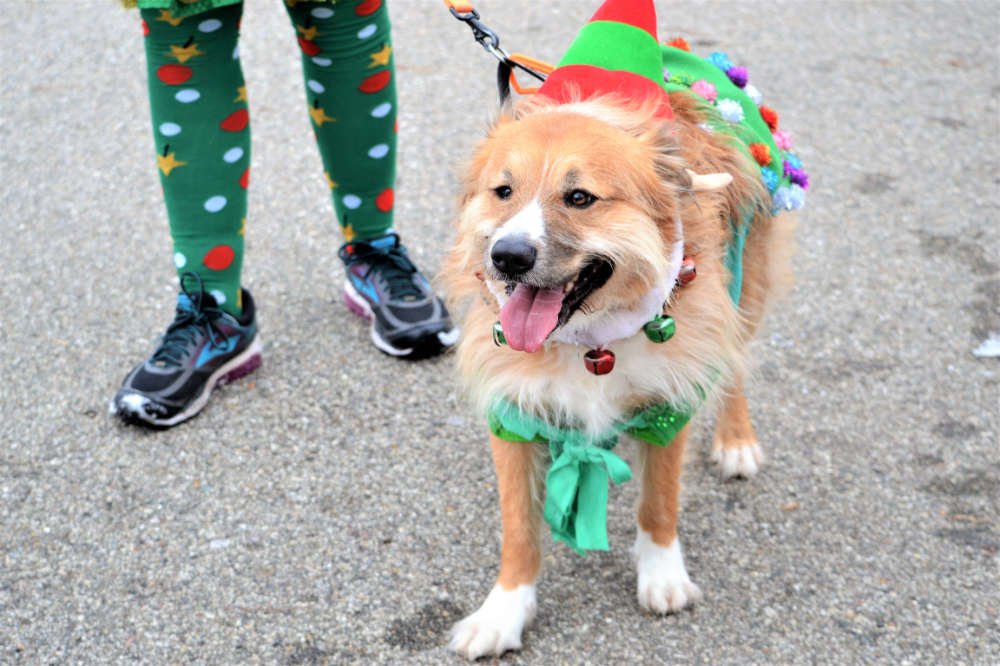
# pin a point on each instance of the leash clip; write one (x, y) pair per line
(490, 41)
(481, 32)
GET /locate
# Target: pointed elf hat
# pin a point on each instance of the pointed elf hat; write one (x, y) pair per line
(616, 52)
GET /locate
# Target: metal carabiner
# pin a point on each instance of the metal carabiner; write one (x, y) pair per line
(482, 33)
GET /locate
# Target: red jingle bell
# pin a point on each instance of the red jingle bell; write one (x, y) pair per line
(688, 272)
(599, 361)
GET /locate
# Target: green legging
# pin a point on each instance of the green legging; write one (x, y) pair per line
(201, 126)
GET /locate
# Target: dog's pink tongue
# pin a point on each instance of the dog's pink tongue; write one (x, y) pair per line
(529, 315)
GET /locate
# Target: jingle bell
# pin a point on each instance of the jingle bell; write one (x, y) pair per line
(498, 338)
(599, 361)
(660, 328)
(688, 272)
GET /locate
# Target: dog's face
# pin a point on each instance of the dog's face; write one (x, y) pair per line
(570, 213)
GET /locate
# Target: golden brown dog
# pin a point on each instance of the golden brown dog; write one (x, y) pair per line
(572, 215)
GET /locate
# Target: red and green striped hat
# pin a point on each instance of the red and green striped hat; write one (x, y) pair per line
(616, 52)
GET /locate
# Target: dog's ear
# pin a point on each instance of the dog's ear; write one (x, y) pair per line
(708, 182)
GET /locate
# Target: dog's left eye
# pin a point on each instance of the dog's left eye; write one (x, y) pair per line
(579, 198)
(503, 192)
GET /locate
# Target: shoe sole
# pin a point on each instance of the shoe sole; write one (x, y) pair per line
(237, 367)
(430, 346)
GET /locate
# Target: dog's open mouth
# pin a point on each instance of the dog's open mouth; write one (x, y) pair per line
(531, 313)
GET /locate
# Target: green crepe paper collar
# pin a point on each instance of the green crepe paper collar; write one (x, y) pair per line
(576, 485)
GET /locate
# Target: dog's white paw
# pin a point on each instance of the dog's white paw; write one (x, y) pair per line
(664, 585)
(496, 627)
(744, 461)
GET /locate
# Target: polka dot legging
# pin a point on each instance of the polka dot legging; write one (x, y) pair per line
(201, 126)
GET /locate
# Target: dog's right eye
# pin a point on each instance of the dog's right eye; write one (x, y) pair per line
(503, 192)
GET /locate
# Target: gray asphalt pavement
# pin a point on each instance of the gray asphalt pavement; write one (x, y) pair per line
(339, 506)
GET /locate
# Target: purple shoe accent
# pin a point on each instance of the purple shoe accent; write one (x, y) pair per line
(357, 307)
(241, 370)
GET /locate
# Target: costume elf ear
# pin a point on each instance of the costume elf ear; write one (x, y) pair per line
(708, 182)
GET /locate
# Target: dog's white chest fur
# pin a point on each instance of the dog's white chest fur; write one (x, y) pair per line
(596, 403)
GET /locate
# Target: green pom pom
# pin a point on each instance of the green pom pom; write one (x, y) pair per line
(660, 328)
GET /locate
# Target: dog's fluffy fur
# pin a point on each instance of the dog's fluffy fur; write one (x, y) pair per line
(635, 164)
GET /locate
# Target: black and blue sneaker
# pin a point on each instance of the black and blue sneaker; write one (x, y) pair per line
(203, 347)
(408, 320)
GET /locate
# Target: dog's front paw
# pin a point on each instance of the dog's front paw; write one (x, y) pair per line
(496, 627)
(744, 461)
(664, 585)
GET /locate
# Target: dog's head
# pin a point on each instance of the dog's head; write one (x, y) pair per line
(571, 215)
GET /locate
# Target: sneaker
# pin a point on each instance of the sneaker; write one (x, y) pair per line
(383, 286)
(203, 348)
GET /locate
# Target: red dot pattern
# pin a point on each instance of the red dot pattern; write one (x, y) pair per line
(219, 258)
(375, 82)
(384, 200)
(367, 7)
(308, 47)
(236, 121)
(173, 75)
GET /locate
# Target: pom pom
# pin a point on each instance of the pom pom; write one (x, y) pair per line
(782, 139)
(679, 43)
(791, 197)
(770, 117)
(761, 153)
(752, 92)
(720, 60)
(738, 75)
(796, 175)
(770, 178)
(782, 200)
(705, 88)
(798, 197)
(731, 110)
(793, 159)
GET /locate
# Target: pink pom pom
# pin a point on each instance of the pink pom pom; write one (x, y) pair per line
(782, 139)
(704, 88)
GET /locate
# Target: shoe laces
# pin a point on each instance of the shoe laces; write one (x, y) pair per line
(390, 262)
(196, 315)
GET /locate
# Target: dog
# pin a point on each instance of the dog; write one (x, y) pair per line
(584, 215)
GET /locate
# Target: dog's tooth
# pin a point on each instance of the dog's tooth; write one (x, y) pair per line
(568, 287)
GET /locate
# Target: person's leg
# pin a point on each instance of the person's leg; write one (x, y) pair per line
(201, 131)
(348, 65)
(202, 137)
(350, 89)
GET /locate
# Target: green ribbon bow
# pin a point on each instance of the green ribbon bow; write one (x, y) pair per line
(576, 493)
(576, 486)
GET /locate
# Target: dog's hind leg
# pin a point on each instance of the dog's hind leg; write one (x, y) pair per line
(734, 446)
(767, 276)
(663, 585)
(497, 626)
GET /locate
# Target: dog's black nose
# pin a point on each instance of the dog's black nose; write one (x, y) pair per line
(513, 255)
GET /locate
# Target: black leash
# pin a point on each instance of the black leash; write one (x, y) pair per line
(490, 41)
